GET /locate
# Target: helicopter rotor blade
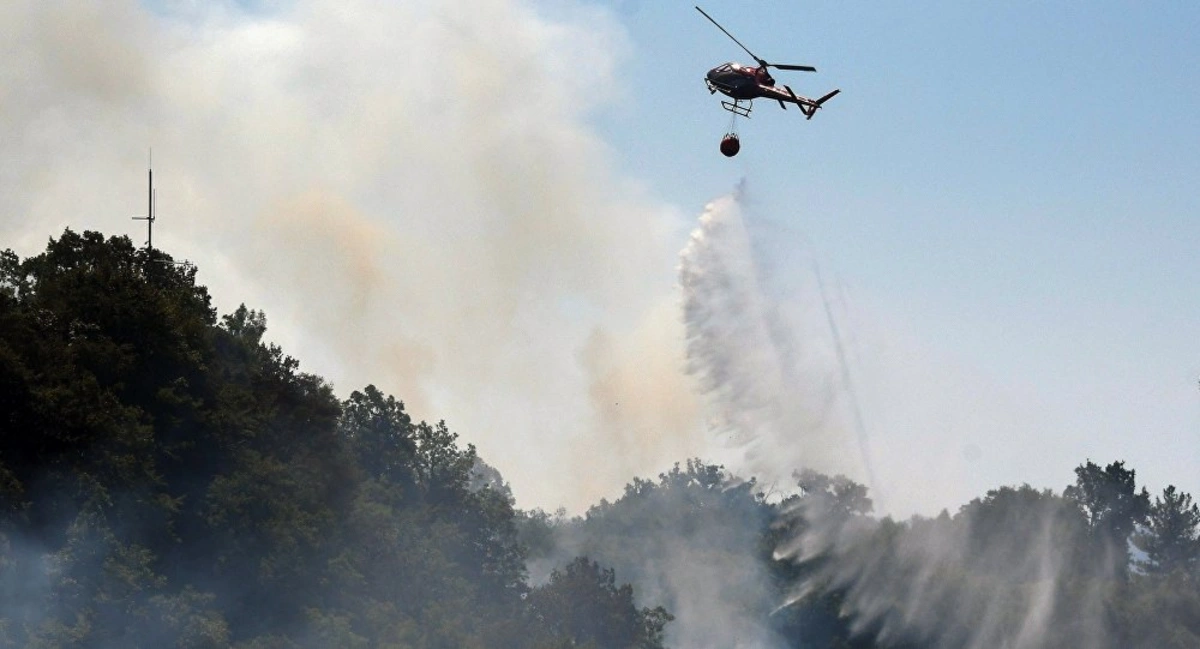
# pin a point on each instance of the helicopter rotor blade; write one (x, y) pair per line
(785, 66)
(752, 55)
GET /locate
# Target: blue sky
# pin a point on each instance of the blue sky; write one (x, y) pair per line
(1014, 182)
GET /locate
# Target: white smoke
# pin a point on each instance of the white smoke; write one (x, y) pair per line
(411, 191)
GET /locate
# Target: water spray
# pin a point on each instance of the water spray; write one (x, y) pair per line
(860, 427)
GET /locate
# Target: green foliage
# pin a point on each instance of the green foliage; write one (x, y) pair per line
(168, 480)
(1113, 508)
(583, 603)
(1158, 612)
(1025, 518)
(837, 496)
(698, 541)
(382, 437)
(1171, 539)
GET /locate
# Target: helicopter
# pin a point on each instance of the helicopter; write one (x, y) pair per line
(743, 84)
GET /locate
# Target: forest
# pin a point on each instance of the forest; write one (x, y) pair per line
(168, 478)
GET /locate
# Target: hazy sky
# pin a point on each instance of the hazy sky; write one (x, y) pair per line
(480, 206)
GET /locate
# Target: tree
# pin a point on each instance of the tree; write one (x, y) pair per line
(582, 602)
(836, 496)
(1171, 539)
(168, 480)
(1113, 507)
(696, 515)
(381, 436)
(100, 348)
(1005, 526)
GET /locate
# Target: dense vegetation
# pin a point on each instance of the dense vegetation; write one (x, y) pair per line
(167, 479)
(1019, 567)
(170, 481)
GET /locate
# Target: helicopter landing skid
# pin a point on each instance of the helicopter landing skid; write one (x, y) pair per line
(737, 107)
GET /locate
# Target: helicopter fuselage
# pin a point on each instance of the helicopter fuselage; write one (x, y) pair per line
(739, 81)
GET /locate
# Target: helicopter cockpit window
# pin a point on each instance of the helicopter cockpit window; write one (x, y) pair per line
(728, 67)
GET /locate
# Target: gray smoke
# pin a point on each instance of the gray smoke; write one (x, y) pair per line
(765, 368)
(413, 192)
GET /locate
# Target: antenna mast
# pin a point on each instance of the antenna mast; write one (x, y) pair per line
(149, 218)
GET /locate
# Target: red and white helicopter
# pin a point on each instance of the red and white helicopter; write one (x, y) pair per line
(744, 84)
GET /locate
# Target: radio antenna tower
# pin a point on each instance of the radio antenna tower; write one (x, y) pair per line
(149, 218)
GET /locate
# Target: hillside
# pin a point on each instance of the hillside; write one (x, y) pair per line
(167, 479)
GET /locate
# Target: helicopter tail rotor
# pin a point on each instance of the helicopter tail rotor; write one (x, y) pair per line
(808, 114)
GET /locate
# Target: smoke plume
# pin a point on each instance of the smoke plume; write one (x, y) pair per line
(413, 193)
